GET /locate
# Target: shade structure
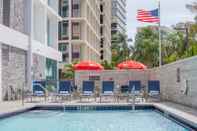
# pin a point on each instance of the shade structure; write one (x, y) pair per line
(130, 64)
(88, 65)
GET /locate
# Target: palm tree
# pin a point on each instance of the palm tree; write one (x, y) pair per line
(68, 71)
(107, 65)
(145, 48)
(120, 48)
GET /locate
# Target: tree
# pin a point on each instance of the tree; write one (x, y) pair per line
(173, 47)
(120, 48)
(146, 47)
(68, 71)
(107, 65)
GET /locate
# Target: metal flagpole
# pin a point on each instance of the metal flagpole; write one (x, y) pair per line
(160, 42)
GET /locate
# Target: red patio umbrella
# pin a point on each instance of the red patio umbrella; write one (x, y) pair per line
(130, 64)
(88, 65)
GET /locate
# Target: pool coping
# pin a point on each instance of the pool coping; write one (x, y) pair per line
(184, 117)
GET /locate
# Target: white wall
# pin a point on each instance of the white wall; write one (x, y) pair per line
(1, 90)
(120, 77)
(180, 92)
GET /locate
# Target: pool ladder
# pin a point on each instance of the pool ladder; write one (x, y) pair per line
(63, 107)
(133, 98)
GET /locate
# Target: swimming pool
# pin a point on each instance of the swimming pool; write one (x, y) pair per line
(94, 120)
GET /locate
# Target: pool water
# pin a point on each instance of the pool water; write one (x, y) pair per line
(141, 120)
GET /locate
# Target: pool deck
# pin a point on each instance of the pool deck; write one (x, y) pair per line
(187, 114)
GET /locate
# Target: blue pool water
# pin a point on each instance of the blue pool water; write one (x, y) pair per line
(142, 120)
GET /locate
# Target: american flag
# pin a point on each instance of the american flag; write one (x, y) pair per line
(148, 16)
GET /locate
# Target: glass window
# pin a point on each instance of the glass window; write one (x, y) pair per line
(51, 69)
(76, 30)
(64, 8)
(63, 30)
(6, 12)
(63, 47)
(49, 41)
(76, 53)
(75, 8)
(65, 57)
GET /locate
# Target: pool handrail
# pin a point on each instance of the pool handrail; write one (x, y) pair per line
(135, 89)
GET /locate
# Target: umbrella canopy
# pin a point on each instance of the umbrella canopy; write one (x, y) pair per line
(130, 64)
(88, 65)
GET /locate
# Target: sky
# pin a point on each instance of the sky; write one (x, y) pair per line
(172, 12)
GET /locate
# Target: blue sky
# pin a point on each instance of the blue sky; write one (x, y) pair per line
(172, 12)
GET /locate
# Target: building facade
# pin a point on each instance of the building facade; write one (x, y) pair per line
(118, 16)
(80, 31)
(105, 30)
(27, 50)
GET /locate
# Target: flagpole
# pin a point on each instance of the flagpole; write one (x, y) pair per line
(160, 42)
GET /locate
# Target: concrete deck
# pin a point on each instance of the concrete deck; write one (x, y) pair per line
(13, 106)
(186, 114)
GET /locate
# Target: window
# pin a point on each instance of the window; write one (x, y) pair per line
(63, 30)
(6, 12)
(101, 19)
(49, 41)
(64, 8)
(76, 52)
(101, 31)
(51, 69)
(75, 8)
(63, 47)
(65, 57)
(76, 30)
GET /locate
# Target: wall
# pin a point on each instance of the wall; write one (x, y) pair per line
(13, 70)
(183, 91)
(1, 13)
(178, 80)
(119, 77)
(39, 65)
(14, 59)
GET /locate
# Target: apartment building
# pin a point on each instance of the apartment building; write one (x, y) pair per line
(28, 44)
(79, 32)
(105, 30)
(118, 16)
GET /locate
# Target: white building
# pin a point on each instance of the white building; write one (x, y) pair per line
(82, 33)
(119, 16)
(28, 43)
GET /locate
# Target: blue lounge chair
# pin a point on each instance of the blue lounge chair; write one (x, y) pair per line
(107, 89)
(65, 89)
(135, 89)
(87, 89)
(39, 89)
(154, 89)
